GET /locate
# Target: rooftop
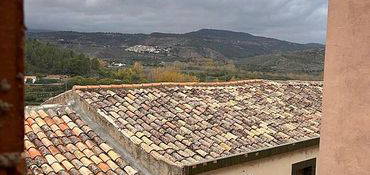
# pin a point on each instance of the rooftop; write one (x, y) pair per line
(57, 141)
(188, 123)
(177, 125)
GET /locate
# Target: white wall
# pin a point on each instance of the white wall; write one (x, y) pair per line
(280, 164)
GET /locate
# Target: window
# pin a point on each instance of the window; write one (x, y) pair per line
(307, 167)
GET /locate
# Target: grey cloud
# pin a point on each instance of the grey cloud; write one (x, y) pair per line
(294, 20)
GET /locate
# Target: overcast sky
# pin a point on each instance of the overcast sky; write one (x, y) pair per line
(300, 21)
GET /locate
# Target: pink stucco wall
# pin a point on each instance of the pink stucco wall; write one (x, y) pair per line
(345, 132)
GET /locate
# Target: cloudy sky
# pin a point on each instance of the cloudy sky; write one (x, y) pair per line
(301, 21)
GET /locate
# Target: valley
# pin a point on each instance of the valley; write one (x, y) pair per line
(204, 55)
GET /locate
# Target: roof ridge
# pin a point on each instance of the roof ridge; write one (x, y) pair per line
(45, 106)
(147, 85)
(218, 83)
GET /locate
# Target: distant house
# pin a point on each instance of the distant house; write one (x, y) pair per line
(147, 49)
(30, 79)
(114, 64)
(254, 127)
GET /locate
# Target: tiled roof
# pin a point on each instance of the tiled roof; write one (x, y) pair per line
(57, 141)
(185, 124)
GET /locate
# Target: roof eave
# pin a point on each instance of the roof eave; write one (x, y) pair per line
(236, 159)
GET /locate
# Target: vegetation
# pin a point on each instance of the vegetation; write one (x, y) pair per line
(34, 95)
(44, 59)
(78, 80)
(307, 61)
(47, 81)
(134, 74)
(170, 74)
(210, 70)
(47, 59)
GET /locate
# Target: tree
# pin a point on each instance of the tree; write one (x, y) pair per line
(133, 74)
(48, 59)
(170, 74)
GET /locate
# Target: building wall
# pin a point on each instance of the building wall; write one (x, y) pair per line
(345, 139)
(280, 164)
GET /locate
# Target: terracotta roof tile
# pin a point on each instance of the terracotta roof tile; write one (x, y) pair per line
(184, 123)
(57, 141)
(103, 166)
(33, 152)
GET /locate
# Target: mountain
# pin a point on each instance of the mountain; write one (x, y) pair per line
(215, 44)
(39, 30)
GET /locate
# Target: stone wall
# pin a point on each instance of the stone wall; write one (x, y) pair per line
(62, 98)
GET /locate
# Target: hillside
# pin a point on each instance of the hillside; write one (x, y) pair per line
(41, 58)
(215, 44)
(306, 61)
(49, 58)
